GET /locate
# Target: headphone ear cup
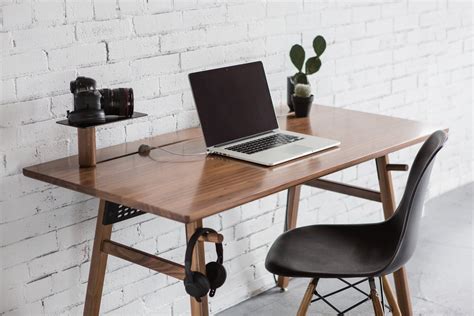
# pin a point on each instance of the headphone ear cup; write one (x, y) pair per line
(216, 274)
(197, 286)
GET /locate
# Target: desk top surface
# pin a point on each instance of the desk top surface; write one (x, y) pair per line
(187, 188)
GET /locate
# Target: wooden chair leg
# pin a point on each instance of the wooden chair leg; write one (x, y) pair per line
(307, 297)
(388, 202)
(392, 300)
(375, 298)
(198, 264)
(97, 266)
(292, 203)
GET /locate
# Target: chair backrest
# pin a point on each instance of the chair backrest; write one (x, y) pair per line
(406, 220)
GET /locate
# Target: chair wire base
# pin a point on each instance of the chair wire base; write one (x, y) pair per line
(348, 286)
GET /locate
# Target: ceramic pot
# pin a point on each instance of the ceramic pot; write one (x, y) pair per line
(302, 105)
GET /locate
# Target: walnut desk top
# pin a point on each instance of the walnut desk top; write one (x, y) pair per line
(187, 188)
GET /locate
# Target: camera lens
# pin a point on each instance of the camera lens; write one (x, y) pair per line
(117, 101)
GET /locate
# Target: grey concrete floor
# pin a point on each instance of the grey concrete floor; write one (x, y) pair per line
(440, 272)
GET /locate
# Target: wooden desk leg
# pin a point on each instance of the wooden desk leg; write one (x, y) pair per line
(98, 265)
(292, 203)
(198, 264)
(389, 205)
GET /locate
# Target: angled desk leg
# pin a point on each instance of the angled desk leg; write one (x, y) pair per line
(388, 202)
(97, 266)
(292, 203)
(198, 264)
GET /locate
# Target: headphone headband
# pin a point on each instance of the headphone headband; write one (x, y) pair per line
(190, 248)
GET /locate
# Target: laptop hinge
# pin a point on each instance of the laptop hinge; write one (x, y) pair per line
(243, 138)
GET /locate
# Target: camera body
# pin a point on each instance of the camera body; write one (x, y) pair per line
(92, 106)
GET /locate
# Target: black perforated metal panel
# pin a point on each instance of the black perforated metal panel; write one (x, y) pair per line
(115, 213)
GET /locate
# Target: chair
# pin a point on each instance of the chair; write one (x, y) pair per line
(362, 250)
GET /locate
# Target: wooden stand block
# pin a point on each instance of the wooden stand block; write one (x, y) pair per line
(86, 147)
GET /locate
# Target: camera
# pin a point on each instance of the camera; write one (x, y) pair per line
(92, 106)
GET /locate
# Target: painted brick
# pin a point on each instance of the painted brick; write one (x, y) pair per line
(65, 279)
(100, 30)
(205, 16)
(222, 34)
(105, 9)
(51, 12)
(139, 47)
(240, 12)
(173, 83)
(59, 260)
(159, 23)
(108, 74)
(406, 22)
(350, 31)
(163, 106)
(366, 13)
(24, 113)
(283, 8)
(159, 6)
(17, 16)
(131, 7)
(202, 58)
(155, 65)
(79, 10)
(21, 64)
(181, 40)
(43, 37)
(15, 276)
(379, 27)
(336, 17)
(8, 91)
(59, 302)
(72, 57)
(28, 249)
(268, 27)
(405, 83)
(184, 4)
(5, 42)
(38, 289)
(46, 84)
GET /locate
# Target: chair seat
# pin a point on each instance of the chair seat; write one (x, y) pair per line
(332, 251)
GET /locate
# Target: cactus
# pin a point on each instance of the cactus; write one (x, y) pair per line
(303, 90)
(312, 65)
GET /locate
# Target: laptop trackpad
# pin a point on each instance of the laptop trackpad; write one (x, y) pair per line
(295, 149)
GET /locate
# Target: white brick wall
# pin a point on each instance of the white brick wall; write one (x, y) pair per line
(408, 59)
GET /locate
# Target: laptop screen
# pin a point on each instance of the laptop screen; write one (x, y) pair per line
(233, 102)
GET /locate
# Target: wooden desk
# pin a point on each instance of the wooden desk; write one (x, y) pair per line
(188, 189)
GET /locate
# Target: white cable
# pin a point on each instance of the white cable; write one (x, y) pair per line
(180, 154)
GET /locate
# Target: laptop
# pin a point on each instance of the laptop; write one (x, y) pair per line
(238, 119)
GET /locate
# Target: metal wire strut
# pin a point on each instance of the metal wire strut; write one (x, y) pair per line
(348, 286)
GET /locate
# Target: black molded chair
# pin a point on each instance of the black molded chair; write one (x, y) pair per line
(362, 250)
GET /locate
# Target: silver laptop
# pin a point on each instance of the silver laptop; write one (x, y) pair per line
(238, 119)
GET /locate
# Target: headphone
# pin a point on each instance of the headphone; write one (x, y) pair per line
(196, 283)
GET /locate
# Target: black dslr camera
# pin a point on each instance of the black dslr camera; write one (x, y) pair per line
(91, 106)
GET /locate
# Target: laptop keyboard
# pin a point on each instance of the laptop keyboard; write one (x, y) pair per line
(264, 143)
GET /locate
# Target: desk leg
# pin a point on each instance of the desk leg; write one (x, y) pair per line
(198, 264)
(388, 203)
(292, 203)
(97, 267)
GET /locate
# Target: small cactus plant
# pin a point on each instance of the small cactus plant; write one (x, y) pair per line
(312, 65)
(303, 90)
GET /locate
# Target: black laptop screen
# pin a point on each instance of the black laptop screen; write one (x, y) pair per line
(233, 102)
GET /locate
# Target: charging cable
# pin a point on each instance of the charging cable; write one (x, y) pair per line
(144, 150)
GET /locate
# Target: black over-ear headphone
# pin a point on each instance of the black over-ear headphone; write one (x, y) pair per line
(197, 284)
